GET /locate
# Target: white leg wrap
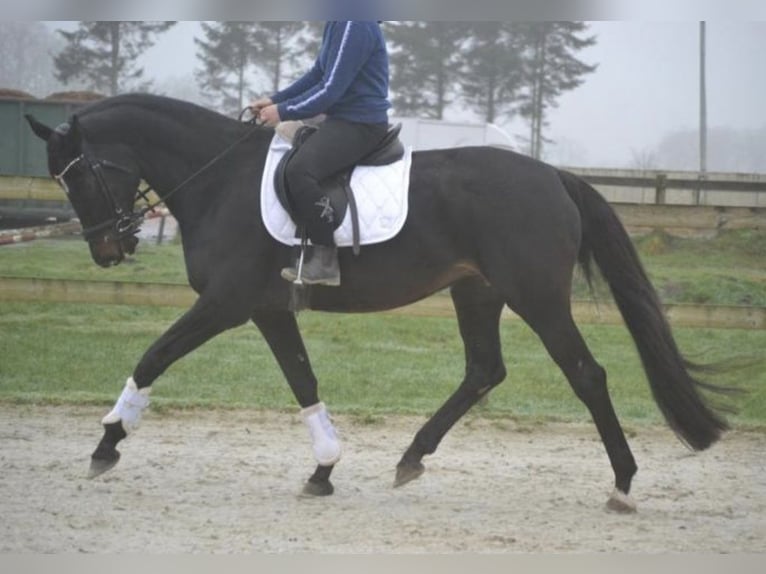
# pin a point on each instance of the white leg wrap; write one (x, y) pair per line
(129, 407)
(324, 440)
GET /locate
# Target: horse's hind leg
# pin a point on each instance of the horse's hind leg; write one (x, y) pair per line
(478, 310)
(566, 346)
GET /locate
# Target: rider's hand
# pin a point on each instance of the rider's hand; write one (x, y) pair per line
(270, 115)
(257, 105)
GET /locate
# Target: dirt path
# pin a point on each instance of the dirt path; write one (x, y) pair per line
(228, 482)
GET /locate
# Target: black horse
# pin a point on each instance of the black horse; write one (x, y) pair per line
(494, 226)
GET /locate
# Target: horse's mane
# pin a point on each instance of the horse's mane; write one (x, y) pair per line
(153, 103)
(121, 117)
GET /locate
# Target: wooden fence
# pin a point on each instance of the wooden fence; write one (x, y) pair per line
(643, 200)
(440, 305)
(678, 202)
(650, 187)
(728, 196)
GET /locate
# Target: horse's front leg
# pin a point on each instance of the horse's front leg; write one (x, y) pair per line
(280, 330)
(198, 325)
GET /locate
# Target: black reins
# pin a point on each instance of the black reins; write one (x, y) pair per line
(127, 224)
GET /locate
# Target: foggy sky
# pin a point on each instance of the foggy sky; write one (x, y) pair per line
(646, 85)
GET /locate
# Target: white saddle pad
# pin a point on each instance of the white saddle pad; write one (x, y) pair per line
(381, 199)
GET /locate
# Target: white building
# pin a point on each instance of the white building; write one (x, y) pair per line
(437, 134)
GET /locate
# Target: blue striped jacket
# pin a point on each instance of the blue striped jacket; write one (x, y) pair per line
(349, 79)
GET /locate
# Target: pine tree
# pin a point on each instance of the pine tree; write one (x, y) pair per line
(551, 68)
(104, 54)
(424, 61)
(492, 69)
(277, 49)
(307, 46)
(227, 54)
(311, 39)
(235, 56)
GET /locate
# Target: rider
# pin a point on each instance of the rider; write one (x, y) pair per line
(349, 84)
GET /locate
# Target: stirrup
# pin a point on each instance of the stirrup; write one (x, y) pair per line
(291, 274)
(323, 259)
(295, 276)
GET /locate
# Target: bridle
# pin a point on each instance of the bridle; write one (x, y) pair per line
(125, 224)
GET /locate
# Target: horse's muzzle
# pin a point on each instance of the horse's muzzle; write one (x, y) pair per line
(109, 250)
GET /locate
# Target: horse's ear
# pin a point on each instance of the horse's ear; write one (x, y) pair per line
(74, 136)
(41, 130)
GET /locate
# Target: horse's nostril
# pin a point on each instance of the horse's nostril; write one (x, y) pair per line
(129, 245)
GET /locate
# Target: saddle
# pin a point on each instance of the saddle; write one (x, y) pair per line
(337, 187)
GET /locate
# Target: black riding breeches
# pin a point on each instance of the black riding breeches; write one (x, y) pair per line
(337, 145)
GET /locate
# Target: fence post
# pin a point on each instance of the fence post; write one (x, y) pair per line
(697, 194)
(661, 187)
(20, 152)
(161, 230)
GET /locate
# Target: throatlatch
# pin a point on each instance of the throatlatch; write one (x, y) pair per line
(324, 439)
(129, 407)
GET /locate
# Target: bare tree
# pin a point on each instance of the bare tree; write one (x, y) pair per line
(643, 159)
(729, 149)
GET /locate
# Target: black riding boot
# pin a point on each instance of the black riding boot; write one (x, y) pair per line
(321, 268)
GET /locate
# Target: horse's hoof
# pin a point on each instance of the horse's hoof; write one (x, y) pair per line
(318, 488)
(100, 465)
(621, 502)
(407, 472)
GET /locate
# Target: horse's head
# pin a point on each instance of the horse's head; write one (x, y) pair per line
(101, 183)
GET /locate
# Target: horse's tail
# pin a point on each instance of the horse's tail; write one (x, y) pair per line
(675, 390)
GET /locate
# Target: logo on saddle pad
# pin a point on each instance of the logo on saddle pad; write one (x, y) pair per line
(379, 192)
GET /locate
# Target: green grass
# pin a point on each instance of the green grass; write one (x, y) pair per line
(71, 259)
(729, 269)
(368, 365)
